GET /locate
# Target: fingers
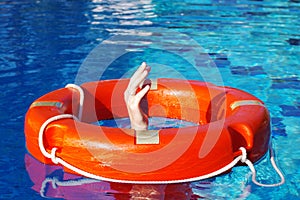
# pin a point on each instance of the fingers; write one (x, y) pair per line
(142, 93)
(139, 77)
(139, 71)
(136, 81)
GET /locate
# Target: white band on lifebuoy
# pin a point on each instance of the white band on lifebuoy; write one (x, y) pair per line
(147, 136)
(47, 103)
(236, 104)
(153, 85)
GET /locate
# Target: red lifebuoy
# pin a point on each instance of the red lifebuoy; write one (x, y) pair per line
(226, 119)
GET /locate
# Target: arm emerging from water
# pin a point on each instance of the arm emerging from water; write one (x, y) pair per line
(138, 119)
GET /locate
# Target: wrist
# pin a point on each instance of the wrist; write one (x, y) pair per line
(139, 125)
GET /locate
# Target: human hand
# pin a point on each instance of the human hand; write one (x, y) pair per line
(138, 119)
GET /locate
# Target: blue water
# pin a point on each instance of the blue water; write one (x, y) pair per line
(250, 45)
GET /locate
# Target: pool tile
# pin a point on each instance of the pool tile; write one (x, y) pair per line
(222, 63)
(220, 59)
(239, 70)
(218, 56)
(283, 83)
(247, 71)
(256, 70)
(290, 111)
(294, 41)
(278, 127)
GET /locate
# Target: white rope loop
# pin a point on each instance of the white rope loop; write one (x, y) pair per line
(251, 167)
(81, 98)
(244, 154)
(41, 134)
(53, 156)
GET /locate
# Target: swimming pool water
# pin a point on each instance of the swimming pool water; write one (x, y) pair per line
(251, 45)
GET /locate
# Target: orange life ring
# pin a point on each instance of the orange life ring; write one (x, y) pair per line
(227, 119)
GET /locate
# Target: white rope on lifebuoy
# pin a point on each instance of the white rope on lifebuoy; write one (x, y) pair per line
(58, 160)
(251, 166)
(242, 158)
(53, 158)
(41, 134)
